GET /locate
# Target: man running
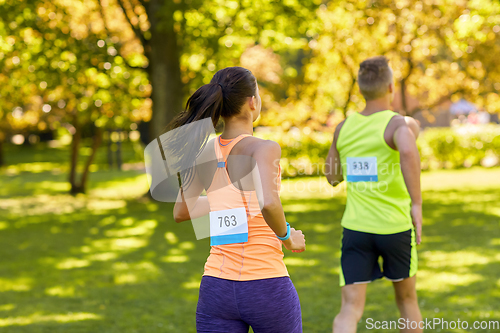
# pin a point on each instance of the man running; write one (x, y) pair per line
(375, 151)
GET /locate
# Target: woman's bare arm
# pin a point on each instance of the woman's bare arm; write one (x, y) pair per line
(267, 155)
(190, 204)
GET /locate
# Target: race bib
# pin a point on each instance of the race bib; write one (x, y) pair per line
(362, 169)
(228, 226)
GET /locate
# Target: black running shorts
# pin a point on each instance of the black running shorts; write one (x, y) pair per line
(359, 261)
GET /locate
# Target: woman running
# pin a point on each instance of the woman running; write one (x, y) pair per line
(245, 282)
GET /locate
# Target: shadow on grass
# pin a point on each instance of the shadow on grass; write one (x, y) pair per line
(121, 265)
(130, 269)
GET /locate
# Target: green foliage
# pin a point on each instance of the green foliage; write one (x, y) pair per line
(214, 34)
(456, 148)
(304, 152)
(49, 62)
(439, 50)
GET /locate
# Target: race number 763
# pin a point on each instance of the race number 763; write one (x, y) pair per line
(228, 221)
(228, 226)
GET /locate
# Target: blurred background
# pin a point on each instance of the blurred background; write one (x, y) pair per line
(85, 84)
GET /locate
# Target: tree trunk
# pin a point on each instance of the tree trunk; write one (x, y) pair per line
(164, 67)
(75, 147)
(110, 152)
(1, 150)
(349, 94)
(95, 145)
(404, 105)
(404, 108)
(119, 150)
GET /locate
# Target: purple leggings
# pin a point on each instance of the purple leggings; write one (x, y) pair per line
(268, 306)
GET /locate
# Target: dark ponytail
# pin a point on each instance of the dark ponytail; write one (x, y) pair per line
(223, 97)
(206, 102)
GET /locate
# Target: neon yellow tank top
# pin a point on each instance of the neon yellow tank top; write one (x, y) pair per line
(377, 198)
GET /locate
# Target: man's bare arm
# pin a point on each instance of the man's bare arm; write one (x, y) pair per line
(405, 143)
(333, 166)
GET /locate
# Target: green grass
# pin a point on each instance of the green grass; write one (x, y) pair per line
(113, 261)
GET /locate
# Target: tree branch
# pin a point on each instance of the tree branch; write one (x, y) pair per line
(349, 94)
(353, 81)
(103, 17)
(438, 102)
(108, 32)
(136, 30)
(143, 3)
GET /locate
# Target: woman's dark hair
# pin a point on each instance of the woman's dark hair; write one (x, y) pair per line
(223, 97)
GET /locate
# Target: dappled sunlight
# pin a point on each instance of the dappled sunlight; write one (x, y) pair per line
(323, 227)
(119, 189)
(108, 220)
(191, 285)
(186, 246)
(54, 186)
(7, 307)
(294, 261)
(41, 204)
(139, 272)
(146, 268)
(126, 278)
(40, 318)
(493, 210)
(171, 238)
(143, 228)
(435, 281)
(318, 248)
(463, 300)
(177, 254)
(103, 256)
(175, 258)
(32, 167)
(457, 259)
(16, 284)
(97, 206)
(61, 291)
(28, 184)
(306, 207)
(71, 263)
(495, 241)
(118, 244)
(471, 198)
(335, 270)
(474, 178)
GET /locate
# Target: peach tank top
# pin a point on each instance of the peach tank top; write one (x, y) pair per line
(259, 258)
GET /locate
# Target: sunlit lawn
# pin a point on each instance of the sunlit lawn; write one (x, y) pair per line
(113, 261)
